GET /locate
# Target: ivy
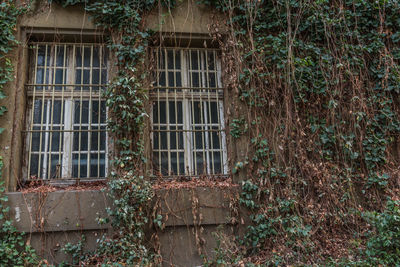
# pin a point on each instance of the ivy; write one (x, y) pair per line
(13, 249)
(323, 78)
(125, 99)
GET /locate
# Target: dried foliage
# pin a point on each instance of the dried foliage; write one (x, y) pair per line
(320, 81)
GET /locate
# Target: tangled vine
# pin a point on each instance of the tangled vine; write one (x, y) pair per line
(13, 249)
(321, 82)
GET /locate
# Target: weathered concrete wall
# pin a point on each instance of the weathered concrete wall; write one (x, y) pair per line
(186, 17)
(53, 16)
(190, 216)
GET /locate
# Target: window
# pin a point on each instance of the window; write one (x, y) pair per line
(188, 135)
(66, 116)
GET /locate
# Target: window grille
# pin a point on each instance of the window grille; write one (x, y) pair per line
(188, 134)
(66, 116)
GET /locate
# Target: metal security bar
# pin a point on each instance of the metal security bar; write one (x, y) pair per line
(66, 133)
(188, 134)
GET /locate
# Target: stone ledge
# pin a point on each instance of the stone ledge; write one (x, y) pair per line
(58, 211)
(77, 210)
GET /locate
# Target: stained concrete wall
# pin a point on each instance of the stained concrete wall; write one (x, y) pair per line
(56, 218)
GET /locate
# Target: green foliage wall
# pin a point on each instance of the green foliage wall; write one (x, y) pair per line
(321, 82)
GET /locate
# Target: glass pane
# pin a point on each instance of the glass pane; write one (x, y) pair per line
(41, 55)
(36, 136)
(94, 139)
(195, 79)
(217, 163)
(214, 139)
(56, 138)
(164, 163)
(163, 136)
(96, 57)
(163, 112)
(161, 79)
(34, 166)
(171, 81)
(178, 60)
(81, 115)
(178, 79)
(170, 59)
(199, 163)
(103, 112)
(211, 80)
(80, 142)
(174, 163)
(194, 60)
(210, 61)
(86, 57)
(57, 112)
(86, 77)
(95, 77)
(78, 57)
(37, 112)
(55, 167)
(181, 162)
(60, 56)
(39, 76)
(161, 59)
(197, 116)
(214, 112)
(79, 165)
(199, 140)
(97, 163)
(60, 78)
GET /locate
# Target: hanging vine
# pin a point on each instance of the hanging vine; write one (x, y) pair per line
(321, 82)
(13, 249)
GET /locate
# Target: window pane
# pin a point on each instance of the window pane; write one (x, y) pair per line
(55, 167)
(214, 112)
(170, 58)
(189, 118)
(97, 165)
(164, 163)
(61, 121)
(217, 162)
(79, 165)
(95, 77)
(96, 57)
(210, 61)
(86, 56)
(178, 60)
(199, 167)
(81, 113)
(60, 56)
(194, 60)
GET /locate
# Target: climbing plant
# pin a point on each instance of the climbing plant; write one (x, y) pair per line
(13, 249)
(324, 78)
(321, 83)
(125, 99)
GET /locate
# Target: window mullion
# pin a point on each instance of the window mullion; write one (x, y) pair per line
(68, 117)
(167, 110)
(30, 134)
(186, 113)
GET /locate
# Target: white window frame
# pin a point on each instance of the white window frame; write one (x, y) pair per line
(189, 142)
(68, 96)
